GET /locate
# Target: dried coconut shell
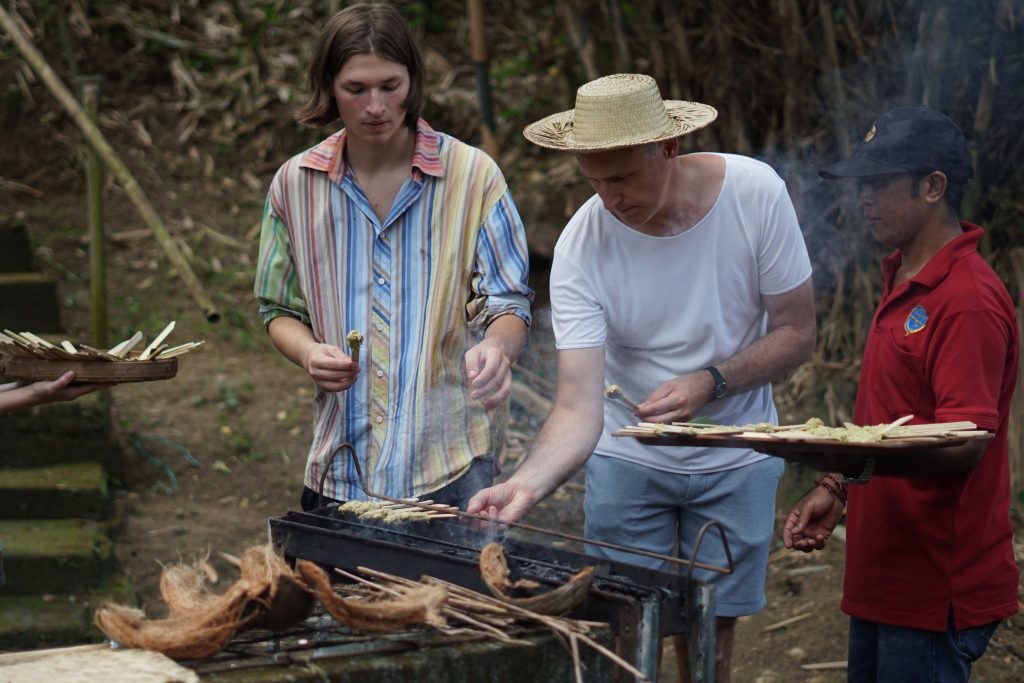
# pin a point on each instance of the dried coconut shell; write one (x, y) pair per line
(421, 605)
(282, 596)
(557, 602)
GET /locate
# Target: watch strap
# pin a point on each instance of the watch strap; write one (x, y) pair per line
(718, 390)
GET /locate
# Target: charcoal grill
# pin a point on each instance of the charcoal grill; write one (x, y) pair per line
(640, 605)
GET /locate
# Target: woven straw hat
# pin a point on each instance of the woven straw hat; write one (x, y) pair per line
(617, 111)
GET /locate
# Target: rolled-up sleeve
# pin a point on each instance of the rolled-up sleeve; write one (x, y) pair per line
(277, 286)
(503, 264)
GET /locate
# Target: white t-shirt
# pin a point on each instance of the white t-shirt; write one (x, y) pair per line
(666, 306)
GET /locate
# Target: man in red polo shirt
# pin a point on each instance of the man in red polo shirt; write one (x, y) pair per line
(930, 568)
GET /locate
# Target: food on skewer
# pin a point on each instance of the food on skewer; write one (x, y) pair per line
(615, 391)
(355, 340)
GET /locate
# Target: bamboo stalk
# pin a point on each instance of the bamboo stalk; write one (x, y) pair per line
(97, 242)
(99, 143)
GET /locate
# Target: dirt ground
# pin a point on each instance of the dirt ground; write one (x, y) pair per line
(219, 449)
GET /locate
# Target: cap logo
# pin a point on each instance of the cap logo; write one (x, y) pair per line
(871, 134)
(916, 321)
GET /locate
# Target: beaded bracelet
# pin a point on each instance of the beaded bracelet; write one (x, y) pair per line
(834, 486)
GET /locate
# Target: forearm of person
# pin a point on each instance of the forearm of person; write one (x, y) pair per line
(564, 443)
(292, 338)
(16, 398)
(788, 343)
(573, 428)
(938, 462)
(508, 333)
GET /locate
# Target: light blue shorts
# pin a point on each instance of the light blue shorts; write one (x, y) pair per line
(641, 507)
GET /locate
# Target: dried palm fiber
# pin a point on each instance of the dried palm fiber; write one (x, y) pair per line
(200, 623)
(183, 588)
(420, 605)
(560, 601)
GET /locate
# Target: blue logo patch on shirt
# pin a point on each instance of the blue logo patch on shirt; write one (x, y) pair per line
(916, 321)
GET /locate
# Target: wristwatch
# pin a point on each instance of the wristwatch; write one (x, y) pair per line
(717, 391)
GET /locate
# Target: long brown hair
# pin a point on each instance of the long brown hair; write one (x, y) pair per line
(363, 29)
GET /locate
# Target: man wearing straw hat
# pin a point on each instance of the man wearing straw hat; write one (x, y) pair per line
(684, 280)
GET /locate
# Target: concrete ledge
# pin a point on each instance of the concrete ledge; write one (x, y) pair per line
(33, 621)
(545, 659)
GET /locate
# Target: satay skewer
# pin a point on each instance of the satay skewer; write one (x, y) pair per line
(615, 391)
(355, 340)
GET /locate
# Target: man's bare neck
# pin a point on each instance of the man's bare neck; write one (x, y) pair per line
(916, 255)
(381, 158)
(696, 184)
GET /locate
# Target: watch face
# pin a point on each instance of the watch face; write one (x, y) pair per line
(719, 391)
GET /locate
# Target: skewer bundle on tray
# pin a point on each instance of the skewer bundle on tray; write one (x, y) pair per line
(896, 432)
(27, 356)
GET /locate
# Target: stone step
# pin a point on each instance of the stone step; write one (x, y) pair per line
(15, 252)
(87, 415)
(28, 302)
(54, 555)
(77, 490)
(34, 621)
(53, 449)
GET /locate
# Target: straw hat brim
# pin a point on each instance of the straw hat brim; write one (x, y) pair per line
(556, 131)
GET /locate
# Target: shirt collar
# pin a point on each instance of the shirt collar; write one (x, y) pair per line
(329, 155)
(938, 266)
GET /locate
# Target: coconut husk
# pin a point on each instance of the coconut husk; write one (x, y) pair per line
(495, 572)
(420, 605)
(282, 596)
(200, 622)
(191, 635)
(183, 588)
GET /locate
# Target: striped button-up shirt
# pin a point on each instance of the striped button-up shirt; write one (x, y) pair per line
(421, 285)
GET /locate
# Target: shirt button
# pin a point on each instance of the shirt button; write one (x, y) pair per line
(380, 281)
(380, 328)
(379, 419)
(380, 373)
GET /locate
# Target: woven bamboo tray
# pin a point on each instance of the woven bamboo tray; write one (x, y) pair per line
(89, 371)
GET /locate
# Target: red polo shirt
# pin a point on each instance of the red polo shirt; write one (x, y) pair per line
(942, 347)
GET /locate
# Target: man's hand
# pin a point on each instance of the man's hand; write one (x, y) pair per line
(489, 372)
(811, 521)
(330, 367)
(507, 502)
(678, 399)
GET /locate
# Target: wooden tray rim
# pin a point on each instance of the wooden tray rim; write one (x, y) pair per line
(88, 371)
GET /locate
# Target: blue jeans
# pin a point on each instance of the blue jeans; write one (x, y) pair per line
(879, 653)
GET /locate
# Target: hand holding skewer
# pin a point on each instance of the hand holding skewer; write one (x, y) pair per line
(615, 391)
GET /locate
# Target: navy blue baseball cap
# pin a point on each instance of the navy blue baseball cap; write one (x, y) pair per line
(908, 140)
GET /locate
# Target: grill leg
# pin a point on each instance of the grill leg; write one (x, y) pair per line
(701, 637)
(648, 642)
